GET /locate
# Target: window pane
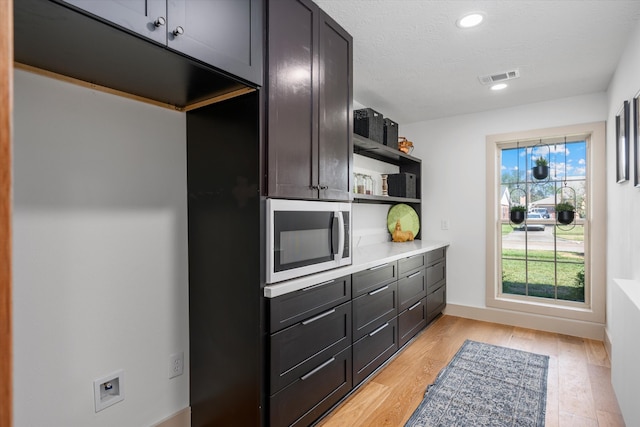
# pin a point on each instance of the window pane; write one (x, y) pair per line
(514, 277)
(540, 258)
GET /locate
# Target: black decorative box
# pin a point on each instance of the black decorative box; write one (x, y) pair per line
(390, 133)
(369, 123)
(402, 185)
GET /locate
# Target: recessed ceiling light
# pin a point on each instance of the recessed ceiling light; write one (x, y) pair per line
(470, 20)
(499, 86)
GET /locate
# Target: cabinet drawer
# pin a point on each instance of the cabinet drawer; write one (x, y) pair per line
(300, 347)
(411, 288)
(294, 307)
(436, 302)
(369, 310)
(411, 321)
(408, 264)
(374, 349)
(372, 278)
(313, 392)
(435, 274)
(435, 255)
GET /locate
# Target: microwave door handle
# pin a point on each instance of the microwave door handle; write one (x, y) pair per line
(335, 236)
(341, 235)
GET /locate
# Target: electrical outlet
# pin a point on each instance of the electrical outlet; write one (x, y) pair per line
(444, 224)
(176, 364)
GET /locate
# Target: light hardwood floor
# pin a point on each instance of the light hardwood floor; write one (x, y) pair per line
(579, 392)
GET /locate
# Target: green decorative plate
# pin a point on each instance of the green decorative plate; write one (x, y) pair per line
(409, 220)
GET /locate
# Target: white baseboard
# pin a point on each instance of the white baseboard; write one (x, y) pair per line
(607, 342)
(181, 418)
(576, 328)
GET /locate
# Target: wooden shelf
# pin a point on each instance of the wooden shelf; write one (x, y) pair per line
(375, 150)
(365, 198)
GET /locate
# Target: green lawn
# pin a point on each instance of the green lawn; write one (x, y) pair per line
(576, 233)
(542, 274)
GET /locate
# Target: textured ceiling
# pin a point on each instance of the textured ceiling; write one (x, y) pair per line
(412, 63)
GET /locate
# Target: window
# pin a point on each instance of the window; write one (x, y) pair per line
(539, 257)
(539, 265)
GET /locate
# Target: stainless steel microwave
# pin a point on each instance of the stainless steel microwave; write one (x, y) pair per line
(306, 237)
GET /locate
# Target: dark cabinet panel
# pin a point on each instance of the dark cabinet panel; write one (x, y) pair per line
(411, 289)
(335, 142)
(313, 393)
(372, 278)
(436, 274)
(225, 306)
(412, 321)
(374, 349)
(145, 17)
(224, 33)
(372, 308)
(436, 302)
(297, 306)
(292, 134)
(406, 265)
(436, 255)
(309, 103)
(298, 348)
(58, 37)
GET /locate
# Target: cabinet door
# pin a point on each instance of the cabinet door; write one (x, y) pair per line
(412, 321)
(138, 16)
(335, 110)
(224, 33)
(292, 131)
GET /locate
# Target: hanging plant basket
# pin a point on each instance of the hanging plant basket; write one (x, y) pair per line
(540, 172)
(566, 217)
(516, 217)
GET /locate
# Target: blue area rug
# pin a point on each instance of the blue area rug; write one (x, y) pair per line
(486, 385)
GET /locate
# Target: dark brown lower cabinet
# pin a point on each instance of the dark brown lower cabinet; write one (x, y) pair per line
(313, 393)
(327, 339)
(374, 349)
(372, 308)
(436, 302)
(305, 345)
(412, 321)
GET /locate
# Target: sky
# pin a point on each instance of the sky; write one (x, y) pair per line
(523, 159)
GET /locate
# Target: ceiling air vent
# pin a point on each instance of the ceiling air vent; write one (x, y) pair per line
(499, 77)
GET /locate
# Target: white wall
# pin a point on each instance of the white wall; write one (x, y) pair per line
(100, 255)
(623, 242)
(453, 179)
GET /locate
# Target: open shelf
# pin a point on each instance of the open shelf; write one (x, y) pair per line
(375, 150)
(366, 198)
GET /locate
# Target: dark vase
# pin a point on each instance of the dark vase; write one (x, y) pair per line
(516, 217)
(566, 217)
(540, 172)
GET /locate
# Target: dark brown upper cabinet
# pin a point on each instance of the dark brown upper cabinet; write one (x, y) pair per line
(309, 103)
(226, 34)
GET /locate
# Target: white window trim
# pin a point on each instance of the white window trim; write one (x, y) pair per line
(593, 310)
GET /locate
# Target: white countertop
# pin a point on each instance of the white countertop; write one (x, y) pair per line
(363, 257)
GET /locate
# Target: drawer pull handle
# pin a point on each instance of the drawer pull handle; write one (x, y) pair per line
(318, 317)
(414, 306)
(308, 288)
(378, 267)
(377, 291)
(379, 329)
(328, 362)
(414, 275)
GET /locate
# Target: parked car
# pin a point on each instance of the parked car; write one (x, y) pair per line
(532, 227)
(542, 211)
